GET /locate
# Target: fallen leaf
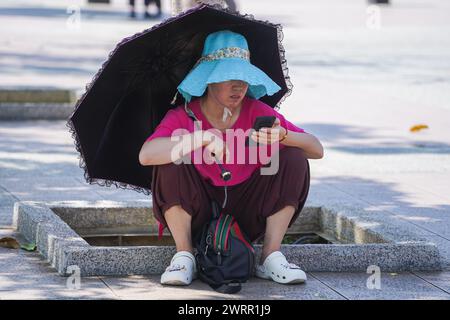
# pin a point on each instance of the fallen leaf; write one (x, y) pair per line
(10, 243)
(28, 246)
(418, 127)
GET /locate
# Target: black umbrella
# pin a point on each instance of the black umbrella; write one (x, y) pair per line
(133, 89)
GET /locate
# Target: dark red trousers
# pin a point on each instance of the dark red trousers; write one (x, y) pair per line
(250, 202)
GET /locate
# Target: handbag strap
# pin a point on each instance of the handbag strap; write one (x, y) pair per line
(215, 209)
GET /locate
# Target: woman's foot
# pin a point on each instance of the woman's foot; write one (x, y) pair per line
(277, 268)
(182, 270)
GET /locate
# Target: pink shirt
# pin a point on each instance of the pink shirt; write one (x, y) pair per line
(251, 108)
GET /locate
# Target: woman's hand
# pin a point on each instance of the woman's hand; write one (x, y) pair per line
(269, 135)
(216, 146)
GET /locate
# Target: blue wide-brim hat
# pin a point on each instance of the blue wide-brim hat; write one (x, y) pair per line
(226, 57)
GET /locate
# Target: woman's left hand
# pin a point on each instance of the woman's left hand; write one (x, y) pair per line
(269, 135)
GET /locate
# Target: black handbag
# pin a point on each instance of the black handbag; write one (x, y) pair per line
(225, 256)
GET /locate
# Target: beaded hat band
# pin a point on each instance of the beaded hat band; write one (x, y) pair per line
(231, 52)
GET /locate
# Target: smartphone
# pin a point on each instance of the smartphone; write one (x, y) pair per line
(261, 122)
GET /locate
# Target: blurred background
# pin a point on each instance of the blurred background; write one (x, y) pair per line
(362, 72)
(371, 80)
(377, 58)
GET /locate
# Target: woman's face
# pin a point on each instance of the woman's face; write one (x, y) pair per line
(229, 93)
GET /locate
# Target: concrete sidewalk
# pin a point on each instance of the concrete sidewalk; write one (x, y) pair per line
(38, 163)
(357, 89)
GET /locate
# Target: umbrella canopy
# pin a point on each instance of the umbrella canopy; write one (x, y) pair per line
(133, 89)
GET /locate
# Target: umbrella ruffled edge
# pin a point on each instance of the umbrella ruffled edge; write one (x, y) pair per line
(71, 127)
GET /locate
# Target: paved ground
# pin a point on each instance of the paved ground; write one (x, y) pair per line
(357, 88)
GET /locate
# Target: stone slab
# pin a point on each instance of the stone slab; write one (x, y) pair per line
(443, 246)
(63, 247)
(438, 279)
(393, 286)
(149, 287)
(49, 189)
(6, 216)
(113, 193)
(37, 96)
(35, 111)
(6, 198)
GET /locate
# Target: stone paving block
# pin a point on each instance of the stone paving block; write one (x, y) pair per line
(40, 287)
(60, 170)
(18, 261)
(35, 111)
(345, 159)
(436, 221)
(113, 193)
(322, 194)
(149, 287)
(48, 189)
(389, 193)
(439, 279)
(58, 294)
(6, 216)
(6, 198)
(25, 275)
(437, 184)
(13, 262)
(393, 286)
(443, 246)
(37, 96)
(389, 224)
(49, 282)
(417, 220)
(37, 159)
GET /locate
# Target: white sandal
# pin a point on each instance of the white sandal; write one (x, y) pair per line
(277, 268)
(181, 271)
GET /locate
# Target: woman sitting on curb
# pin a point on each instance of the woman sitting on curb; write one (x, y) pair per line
(227, 87)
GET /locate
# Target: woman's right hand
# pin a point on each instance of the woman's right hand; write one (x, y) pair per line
(216, 146)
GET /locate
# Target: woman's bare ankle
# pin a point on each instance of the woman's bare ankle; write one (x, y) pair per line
(185, 248)
(266, 253)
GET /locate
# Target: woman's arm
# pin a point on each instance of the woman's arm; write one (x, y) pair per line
(163, 150)
(310, 144)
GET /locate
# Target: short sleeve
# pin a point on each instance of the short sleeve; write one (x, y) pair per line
(289, 125)
(260, 108)
(168, 124)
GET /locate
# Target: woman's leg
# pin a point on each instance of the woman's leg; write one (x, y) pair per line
(180, 202)
(179, 223)
(293, 164)
(276, 227)
(254, 202)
